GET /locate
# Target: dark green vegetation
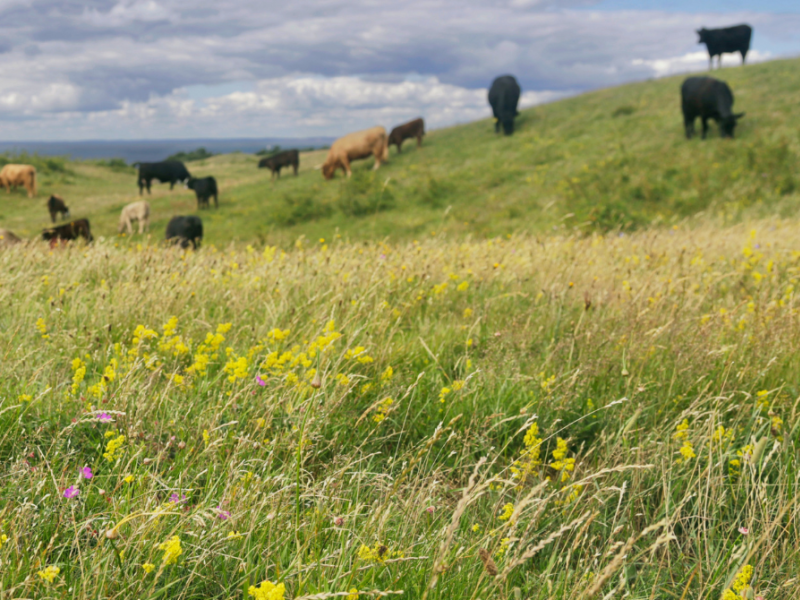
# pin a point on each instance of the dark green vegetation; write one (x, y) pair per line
(615, 158)
(192, 155)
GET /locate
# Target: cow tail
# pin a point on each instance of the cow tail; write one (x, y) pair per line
(385, 148)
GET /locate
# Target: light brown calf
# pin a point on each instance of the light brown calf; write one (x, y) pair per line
(135, 211)
(14, 175)
(354, 146)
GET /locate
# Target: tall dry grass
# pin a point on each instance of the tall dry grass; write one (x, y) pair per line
(563, 418)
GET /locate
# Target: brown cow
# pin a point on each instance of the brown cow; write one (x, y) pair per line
(7, 238)
(14, 175)
(412, 129)
(353, 146)
(56, 206)
(70, 231)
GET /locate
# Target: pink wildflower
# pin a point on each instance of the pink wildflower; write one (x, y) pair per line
(223, 514)
(104, 417)
(744, 530)
(87, 472)
(260, 381)
(430, 510)
(71, 492)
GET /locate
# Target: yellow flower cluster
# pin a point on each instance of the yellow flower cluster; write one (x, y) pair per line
(267, 591)
(378, 553)
(529, 459)
(49, 573)
(508, 510)
(236, 369)
(561, 462)
(171, 342)
(384, 407)
(109, 375)
(360, 354)
(735, 465)
(148, 567)
(80, 372)
(741, 584)
(352, 594)
(42, 327)
(113, 446)
(682, 430)
(172, 550)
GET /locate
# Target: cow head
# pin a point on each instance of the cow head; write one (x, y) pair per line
(328, 170)
(189, 183)
(48, 234)
(702, 35)
(728, 125)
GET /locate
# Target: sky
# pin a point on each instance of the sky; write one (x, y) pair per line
(167, 69)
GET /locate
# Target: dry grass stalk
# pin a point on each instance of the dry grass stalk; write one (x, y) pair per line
(530, 552)
(376, 593)
(488, 563)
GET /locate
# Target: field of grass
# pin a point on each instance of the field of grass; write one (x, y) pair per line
(611, 159)
(572, 416)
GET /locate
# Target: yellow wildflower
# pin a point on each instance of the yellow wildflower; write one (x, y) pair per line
(49, 573)
(687, 450)
(42, 327)
(148, 567)
(172, 550)
(267, 591)
(508, 510)
(352, 594)
(681, 432)
(112, 446)
(387, 374)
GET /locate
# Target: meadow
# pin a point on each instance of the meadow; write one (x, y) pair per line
(613, 159)
(575, 416)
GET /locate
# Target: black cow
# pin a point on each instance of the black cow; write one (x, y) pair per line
(728, 39)
(288, 158)
(171, 171)
(57, 205)
(412, 129)
(70, 231)
(204, 188)
(708, 98)
(185, 231)
(504, 96)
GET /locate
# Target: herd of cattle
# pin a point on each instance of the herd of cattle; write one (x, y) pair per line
(703, 97)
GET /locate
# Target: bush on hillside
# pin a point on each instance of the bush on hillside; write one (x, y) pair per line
(198, 154)
(42, 164)
(115, 164)
(365, 193)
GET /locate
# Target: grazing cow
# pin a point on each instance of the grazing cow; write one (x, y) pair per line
(171, 171)
(289, 158)
(729, 39)
(57, 205)
(204, 188)
(14, 175)
(185, 231)
(135, 211)
(503, 97)
(70, 231)
(412, 129)
(354, 146)
(8, 238)
(708, 98)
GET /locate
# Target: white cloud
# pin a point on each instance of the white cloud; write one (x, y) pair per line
(695, 61)
(127, 12)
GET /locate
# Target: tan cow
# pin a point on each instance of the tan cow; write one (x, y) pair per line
(7, 238)
(14, 175)
(135, 211)
(354, 146)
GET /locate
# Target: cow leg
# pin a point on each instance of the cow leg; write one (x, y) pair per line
(705, 126)
(148, 181)
(216, 200)
(295, 169)
(399, 144)
(688, 125)
(345, 164)
(710, 62)
(419, 141)
(744, 56)
(53, 217)
(141, 226)
(279, 172)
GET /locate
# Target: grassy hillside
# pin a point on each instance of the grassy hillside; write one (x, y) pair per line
(614, 158)
(584, 417)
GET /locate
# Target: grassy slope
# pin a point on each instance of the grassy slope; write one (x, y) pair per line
(611, 158)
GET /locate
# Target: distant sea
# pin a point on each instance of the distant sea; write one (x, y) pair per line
(154, 150)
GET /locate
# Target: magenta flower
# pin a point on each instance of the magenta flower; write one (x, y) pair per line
(104, 417)
(177, 499)
(87, 472)
(71, 492)
(260, 381)
(223, 514)
(430, 510)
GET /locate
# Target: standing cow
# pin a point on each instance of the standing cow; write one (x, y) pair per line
(56, 206)
(353, 146)
(288, 158)
(14, 175)
(728, 39)
(171, 171)
(204, 188)
(135, 211)
(708, 98)
(412, 129)
(504, 96)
